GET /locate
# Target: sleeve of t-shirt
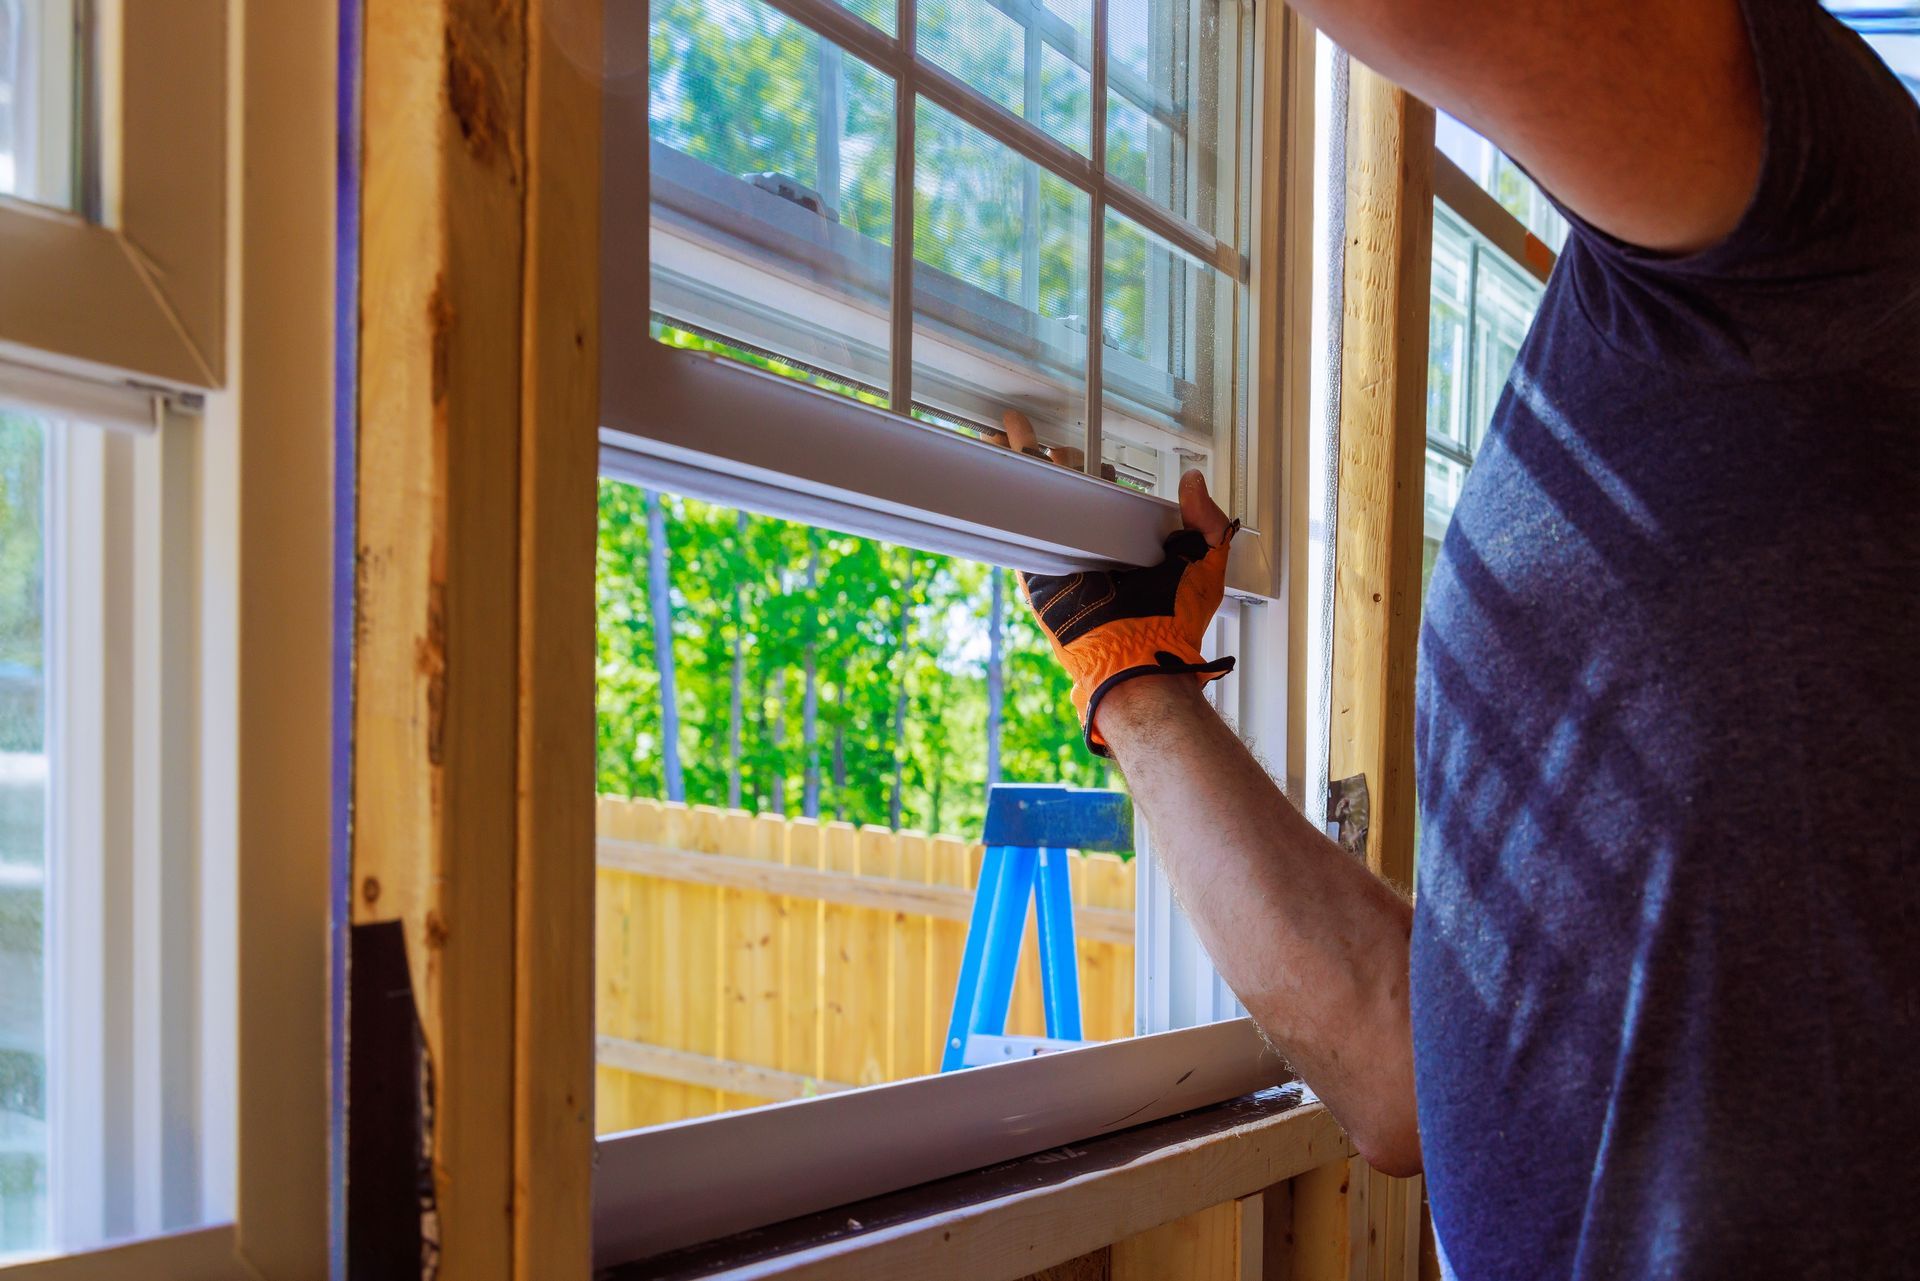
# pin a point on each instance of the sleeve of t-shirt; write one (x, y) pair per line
(1824, 265)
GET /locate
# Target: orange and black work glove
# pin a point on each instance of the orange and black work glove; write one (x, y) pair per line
(1109, 626)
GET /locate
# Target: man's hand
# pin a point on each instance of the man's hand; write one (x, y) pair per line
(1111, 626)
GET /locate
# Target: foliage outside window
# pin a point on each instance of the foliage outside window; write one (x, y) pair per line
(801, 672)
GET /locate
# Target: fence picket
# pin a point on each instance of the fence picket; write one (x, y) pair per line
(615, 997)
(914, 1036)
(1106, 969)
(1027, 1016)
(854, 977)
(802, 995)
(877, 854)
(750, 953)
(952, 864)
(693, 1021)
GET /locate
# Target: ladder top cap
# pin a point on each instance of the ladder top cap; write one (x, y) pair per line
(1055, 816)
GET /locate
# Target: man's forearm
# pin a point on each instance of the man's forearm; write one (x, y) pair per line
(1313, 944)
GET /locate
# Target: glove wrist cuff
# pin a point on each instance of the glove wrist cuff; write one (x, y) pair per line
(1127, 649)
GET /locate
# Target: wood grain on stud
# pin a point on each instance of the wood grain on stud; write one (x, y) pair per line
(1382, 441)
(1388, 282)
(559, 462)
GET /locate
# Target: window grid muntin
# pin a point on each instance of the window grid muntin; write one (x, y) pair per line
(916, 77)
(929, 80)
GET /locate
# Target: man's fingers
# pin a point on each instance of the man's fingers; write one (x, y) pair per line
(1199, 511)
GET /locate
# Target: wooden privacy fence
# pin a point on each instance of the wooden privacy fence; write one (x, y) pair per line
(744, 959)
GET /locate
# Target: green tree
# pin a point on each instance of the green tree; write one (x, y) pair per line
(900, 652)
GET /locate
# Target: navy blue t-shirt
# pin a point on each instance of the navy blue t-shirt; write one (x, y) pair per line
(1666, 980)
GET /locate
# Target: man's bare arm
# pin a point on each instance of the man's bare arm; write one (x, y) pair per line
(1312, 943)
(1644, 116)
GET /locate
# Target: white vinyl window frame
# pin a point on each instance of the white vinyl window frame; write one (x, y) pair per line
(867, 471)
(692, 422)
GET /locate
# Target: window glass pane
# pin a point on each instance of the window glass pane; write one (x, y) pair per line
(1170, 325)
(881, 13)
(1445, 477)
(772, 183)
(1174, 104)
(1000, 283)
(1447, 334)
(775, 693)
(1482, 306)
(1027, 58)
(1065, 90)
(1505, 181)
(23, 836)
(1504, 300)
(37, 137)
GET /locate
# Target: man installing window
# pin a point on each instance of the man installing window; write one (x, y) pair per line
(1656, 1012)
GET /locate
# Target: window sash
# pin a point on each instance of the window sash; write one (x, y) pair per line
(647, 412)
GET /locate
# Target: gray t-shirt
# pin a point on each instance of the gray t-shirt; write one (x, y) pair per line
(1666, 953)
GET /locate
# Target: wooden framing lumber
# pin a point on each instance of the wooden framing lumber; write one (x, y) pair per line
(554, 873)
(473, 735)
(1389, 263)
(1224, 1242)
(1387, 287)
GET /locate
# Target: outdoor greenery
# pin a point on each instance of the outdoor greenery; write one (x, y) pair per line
(753, 662)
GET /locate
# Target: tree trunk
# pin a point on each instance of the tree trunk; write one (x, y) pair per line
(937, 759)
(810, 702)
(777, 737)
(658, 588)
(734, 699)
(996, 677)
(896, 801)
(840, 752)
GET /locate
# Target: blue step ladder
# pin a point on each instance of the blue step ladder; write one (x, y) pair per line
(1030, 832)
